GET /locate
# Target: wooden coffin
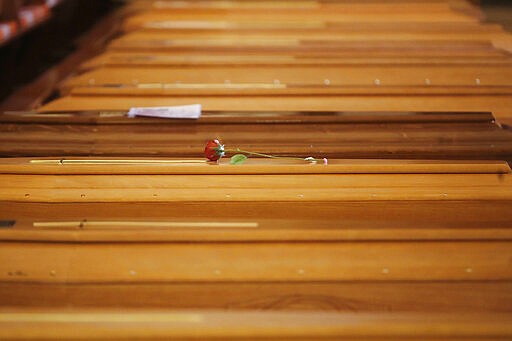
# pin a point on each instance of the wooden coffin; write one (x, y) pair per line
(331, 135)
(177, 231)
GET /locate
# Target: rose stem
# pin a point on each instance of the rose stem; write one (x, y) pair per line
(238, 150)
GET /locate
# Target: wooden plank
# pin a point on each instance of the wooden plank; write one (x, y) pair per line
(276, 89)
(332, 135)
(192, 325)
(278, 77)
(349, 297)
(311, 187)
(220, 26)
(257, 222)
(41, 148)
(396, 14)
(293, 262)
(138, 59)
(234, 8)
(266, 228)
(427, 214)
(183, 229)
(251, 166)
(195, 180)
(291, 103)
(351, 49)
(120, 117)
(145, 5)
(310, 36)
(387, 133)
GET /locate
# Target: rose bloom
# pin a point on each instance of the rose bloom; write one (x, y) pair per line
(214, 150)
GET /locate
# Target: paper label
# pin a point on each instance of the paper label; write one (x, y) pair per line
(182, 112)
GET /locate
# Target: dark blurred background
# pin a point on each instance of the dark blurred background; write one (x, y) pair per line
(35, 48)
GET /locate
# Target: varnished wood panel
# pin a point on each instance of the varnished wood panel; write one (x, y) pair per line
(423, 214)
(352, 49)
(357, 31)
(255, 221)
(333, 135)
(494, 103)
(214, 325)
(253, 166)
(312, 187)
(404, 240)
(396, 14)
(384, 297)
(105, 118)
(266, 261)
(138, 59)
(302, 75)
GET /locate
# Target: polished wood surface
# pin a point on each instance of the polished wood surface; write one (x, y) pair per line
(251, 167)
(491, 297)
(138, 59)
(213, 325)
(278, 60)
(452, 75)
(118, 228)
(40, 188)
(348, 220)
(377, 135)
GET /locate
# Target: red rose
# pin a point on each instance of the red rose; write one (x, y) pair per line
(214, 150)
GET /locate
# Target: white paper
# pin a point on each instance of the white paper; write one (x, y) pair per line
(181, 112)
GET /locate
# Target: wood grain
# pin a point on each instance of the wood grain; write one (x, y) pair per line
(333, 135)
(423, 214)
(452, 75)
(233, 262)
(256, 221)
(384, 297)
(138, 59)
(416, 103)
(195, 325)
(312, 187)
(251, 166)
(118, 228)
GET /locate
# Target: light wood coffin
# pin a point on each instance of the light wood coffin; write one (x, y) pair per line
(321, 234)
(379, 135)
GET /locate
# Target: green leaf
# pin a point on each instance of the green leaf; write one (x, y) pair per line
(238, 159)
